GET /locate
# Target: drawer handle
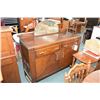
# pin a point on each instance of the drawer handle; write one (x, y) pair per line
(41, 53)
(57, 58)
(62, 54)
(56, 48)
(65, 46)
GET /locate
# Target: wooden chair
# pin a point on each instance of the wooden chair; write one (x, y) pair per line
(14, 29)
(83, 28)
(31, 26)
(64, 26)
(72, 26)
(76, 74)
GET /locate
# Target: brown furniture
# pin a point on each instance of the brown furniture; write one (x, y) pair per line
(64, 26)
(45, 55)
(84, 58)
(9, 66)
(72, 26)
(98, 66)
(75, 26)
(92, 22)
(93, 77)
(23, 23)
(79, 25)
(76, 74)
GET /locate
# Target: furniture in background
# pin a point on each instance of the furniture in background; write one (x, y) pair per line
(47, 54)
(6, 21)
(76, 74)
(91, 22)
(72, 26)
(64, 26)
(86, 59)
(90, 53)
(93, 77)
(24, 22)
(75, 26)
(9, 66)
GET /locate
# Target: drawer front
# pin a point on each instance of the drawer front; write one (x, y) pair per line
(47, 50)
(76, 40)
(72, 42)
(6, 61)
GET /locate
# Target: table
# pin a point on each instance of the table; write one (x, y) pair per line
(93, 77)
(84, 58)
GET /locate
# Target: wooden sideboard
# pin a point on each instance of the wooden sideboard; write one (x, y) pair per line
(9, 66)
(45, 55)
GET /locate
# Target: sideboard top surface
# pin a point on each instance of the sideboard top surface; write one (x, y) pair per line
(30, 41)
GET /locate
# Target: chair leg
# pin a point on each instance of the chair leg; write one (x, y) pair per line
(73, 62)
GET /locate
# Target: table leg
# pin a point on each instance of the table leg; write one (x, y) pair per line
(90, 68)
(73, 62)
(98, 65)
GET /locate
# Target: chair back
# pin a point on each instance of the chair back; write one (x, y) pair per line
(72, 26)
(76, 74)
(65, 26)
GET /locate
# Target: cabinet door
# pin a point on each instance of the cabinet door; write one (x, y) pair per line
(10, 70)
(7, 47)
(66, 56)
(46, 65)
(68, 49)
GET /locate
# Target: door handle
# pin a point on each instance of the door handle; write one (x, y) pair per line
(41, 53)
(65, 46)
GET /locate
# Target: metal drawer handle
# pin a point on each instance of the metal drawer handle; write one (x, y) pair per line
(65, 46)
(62, 54)
(56, 48)
(41, 53)
(57, 57)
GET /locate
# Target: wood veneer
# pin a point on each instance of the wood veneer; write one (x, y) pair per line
(45, 55)
(9, 66)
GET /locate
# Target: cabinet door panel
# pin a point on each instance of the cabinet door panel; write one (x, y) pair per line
(46, 65)
(10, 72)
(66, 56)
(67, 52)
(7, 48)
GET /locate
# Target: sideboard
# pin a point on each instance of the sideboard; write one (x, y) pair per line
(44, 55)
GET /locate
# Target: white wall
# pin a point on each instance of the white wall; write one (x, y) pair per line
(96, 32)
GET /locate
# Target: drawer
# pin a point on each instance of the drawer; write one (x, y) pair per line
(66, 43)
(6, 61)
(47, 50)
(76, 40)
